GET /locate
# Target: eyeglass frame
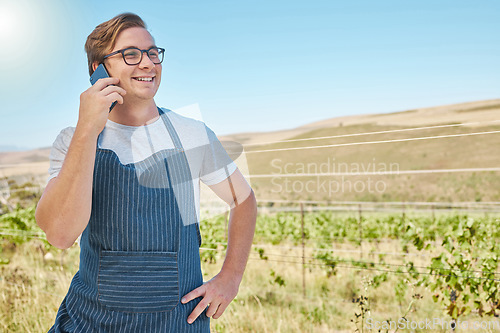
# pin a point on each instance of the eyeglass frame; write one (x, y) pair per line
(122, 51)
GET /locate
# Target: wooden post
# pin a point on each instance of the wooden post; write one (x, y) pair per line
(403, 215)
(433, 214)
(63, 252)
(303, 250)
(225, 225)
(360, 227)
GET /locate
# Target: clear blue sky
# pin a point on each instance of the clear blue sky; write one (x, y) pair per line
(254, 65)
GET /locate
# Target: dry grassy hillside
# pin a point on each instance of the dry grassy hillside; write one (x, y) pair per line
(456, 113)
(461, 151)
(25, 166)
(30, 156)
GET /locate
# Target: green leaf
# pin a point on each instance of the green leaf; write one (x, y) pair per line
(448, 244)
(466, 310)
(454, 313)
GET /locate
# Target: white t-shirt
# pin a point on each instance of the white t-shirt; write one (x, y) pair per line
(208, 161)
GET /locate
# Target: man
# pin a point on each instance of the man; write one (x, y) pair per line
(126, 182)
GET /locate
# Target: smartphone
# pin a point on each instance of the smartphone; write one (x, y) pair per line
(99, 73)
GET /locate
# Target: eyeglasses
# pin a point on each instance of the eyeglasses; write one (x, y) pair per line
(133, 55)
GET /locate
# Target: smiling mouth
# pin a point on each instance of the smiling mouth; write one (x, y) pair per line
(144, 79)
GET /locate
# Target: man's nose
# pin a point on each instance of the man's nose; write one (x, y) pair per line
(146, 61)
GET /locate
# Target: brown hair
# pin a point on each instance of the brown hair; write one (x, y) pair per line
(102, 40)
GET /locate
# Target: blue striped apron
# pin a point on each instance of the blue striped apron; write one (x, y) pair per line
(140, 251)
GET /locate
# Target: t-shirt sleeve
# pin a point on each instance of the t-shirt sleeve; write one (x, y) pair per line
(59, 150)
(216, 165)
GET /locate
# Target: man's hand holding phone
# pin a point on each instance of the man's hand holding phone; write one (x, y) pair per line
(101, 73)
(95, 103)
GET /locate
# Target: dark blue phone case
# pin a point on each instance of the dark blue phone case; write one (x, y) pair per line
(99, 73)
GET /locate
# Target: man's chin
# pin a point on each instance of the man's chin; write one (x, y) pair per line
(145, 96)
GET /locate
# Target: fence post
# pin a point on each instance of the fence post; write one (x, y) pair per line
(303, 250)
(360, 227)
(225, 225)
(61, 262)
(433, 214)
(403, 215)
(453, 299)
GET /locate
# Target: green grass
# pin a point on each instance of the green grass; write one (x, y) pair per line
(271, 296)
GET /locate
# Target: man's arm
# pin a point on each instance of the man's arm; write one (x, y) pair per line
(223, 288)
(63, 211)
(64, 208)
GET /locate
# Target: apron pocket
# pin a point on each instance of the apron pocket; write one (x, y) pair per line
(138, 282)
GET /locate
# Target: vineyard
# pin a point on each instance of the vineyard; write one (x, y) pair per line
(311, 269)
(381, 227)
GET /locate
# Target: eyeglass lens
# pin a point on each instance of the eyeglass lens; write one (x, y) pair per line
(133, 56)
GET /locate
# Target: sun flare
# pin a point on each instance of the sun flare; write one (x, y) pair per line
(18, 29)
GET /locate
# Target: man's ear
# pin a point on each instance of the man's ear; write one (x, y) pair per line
(94, 65)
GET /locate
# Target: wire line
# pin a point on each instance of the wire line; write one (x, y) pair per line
(373, 142)
(384, 270)
(369, 133)
(378, 173)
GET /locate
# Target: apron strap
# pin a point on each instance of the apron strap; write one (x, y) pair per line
(171, 130)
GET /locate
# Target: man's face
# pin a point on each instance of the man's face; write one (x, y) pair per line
(136, 90)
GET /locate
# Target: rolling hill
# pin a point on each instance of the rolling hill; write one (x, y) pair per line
(358, 157)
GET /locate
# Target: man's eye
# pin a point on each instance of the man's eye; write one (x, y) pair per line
(131, 54)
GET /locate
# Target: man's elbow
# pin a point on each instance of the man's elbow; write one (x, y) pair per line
(59, 240)
(55, 236)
